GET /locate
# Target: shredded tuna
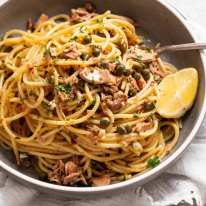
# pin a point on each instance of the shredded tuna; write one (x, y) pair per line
(41, 20)
(115, 102)
(89, 7)
(18, 61)
(143, 126)
(141, 83)
(100, 181)
(66, 174)
(64, 97)
(56, 174)
(133, 83)
(71, 52)
(141, 55)
(47, 90)
(111, 66)
(155, 70)
(108, 65)
(69, 80)
(71, 179)
(110, 89)
(82, 14)
(98, 76)
(70, 167)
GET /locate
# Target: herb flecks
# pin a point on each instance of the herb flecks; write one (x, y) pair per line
(74, 38)
(153, 162)
(82, 29)
(99, 21)
(66, 88)
(139, 57)
(149, 50)
(136, 116)
(87, 39)
(47, 52)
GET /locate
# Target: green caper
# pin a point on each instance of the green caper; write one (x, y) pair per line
(84, 56)
(87, 39)
(136, 75)
(104, 122)
(120, 68)
(127, 72)
(128, 128)
(121, 130)
(149, 106)
(138, 67)
(104, 65)
(132, 92)
(96, 51)
(146, 74)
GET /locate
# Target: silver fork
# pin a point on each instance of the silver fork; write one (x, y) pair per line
(181, 47)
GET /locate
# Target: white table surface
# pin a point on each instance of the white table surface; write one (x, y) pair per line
(188, 174)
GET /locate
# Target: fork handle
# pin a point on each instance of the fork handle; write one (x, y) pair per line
(182, 47)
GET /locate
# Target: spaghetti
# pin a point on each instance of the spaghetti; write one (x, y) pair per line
(78, 99)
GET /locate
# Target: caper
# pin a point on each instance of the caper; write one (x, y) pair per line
(128, 128)
(104, 65)
(149, 106)
(132, 92)
(136, 75)
(87, 39)
(146, 74)
(138, 67)
(121, 130)
(84, 56)
(127, 72)
(96, 51)
(104, 122)
(120, 68)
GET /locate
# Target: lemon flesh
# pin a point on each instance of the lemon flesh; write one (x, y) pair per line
(177, 93)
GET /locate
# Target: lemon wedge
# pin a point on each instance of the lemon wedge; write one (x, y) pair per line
(177, 93)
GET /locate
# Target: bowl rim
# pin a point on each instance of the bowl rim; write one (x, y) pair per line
(144, 176)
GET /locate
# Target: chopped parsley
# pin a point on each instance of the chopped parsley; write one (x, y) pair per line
(148, 50)
(136, 115)
(46, 106)
(47, 52)
(74, 38)
(66, 88)
(98, 21)
(32, 94)
(139, 57)
(82, 28)
(93, 103)
(153, 162)
(116, 60)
